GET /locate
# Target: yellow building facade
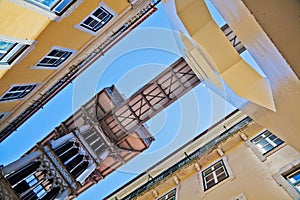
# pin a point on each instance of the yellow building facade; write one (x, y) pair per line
(234, 159)
(46, 44)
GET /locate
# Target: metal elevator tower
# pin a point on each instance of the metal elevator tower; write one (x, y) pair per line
(105, 133)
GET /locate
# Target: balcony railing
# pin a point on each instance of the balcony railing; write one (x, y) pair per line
(196, 154)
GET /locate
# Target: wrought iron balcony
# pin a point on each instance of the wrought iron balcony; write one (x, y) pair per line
(196, 154)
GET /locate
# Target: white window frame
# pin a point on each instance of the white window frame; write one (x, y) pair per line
(213, 172)
(16, 99)
(263, 156)
(104, 6)
(294, 183)
(19, 50)
(229, 177)
(37, 66)
(47, 12)
(52, 8)
(280, 178)
(166, 193)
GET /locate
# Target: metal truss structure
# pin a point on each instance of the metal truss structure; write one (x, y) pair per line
(163, 90)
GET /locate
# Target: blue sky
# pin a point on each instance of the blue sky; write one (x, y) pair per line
(129, 71)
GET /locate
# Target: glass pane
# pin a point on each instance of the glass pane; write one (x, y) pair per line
(102, 16)
(53, 53)
(267, 134)
(207, 171)
(278, 141)
(60, 53)
(93, 24)
(23, 87)
(98, 12)
(294, 177)
(169, 196)
(88, 21)
(6, 96)
(107, 18)
(52, 61)
(10, 51)
(32, 182)
(30, 178)
(257, 139)
(17, 92)
(16, 88)
(48, 3)
(222, 176)
(5, 46)
(45, 60)
(266, 148)
(209, 177)
(66, 55)
(219, 171)
(262, 143)
(210, 184)
(172, 193)
(297, 176)
(56, 62)
(37, 189)
(99, 25)
(272, 137)
(62, 5)
(217, 165)
(41, 192)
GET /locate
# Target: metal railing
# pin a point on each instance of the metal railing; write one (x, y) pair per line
(189, 159)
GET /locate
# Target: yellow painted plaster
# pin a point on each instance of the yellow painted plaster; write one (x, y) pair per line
(19, 22)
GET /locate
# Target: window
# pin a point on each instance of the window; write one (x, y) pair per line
(288, 177)
(17, 92)
(264, 144)
(97, 19)
(266, 141)
(294, 179)
(214, 174)
(36, 188)
(31, 180)
(10, 51)
(171, 195)
(54, 58)
(39, 191)
(56, 6)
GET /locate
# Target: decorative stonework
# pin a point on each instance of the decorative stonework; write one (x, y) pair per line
(61, 168)
(6, 191)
